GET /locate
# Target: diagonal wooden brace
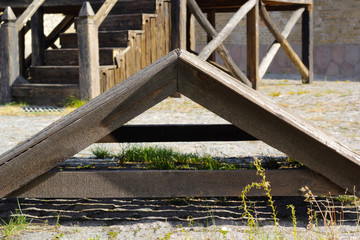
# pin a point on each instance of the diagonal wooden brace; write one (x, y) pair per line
(268, 58)
(222, 51)
(304, 72)
(227, 30)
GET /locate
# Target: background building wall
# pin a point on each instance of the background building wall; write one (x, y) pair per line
(336, 39)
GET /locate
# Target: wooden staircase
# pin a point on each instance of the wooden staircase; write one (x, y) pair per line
(133, 35)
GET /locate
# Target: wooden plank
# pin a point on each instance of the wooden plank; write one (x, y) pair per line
(252, 37)
(267, 121)
(304, 72)
(178, 24)
(268, 58)
(161, 29)
(154, 39)
(122, 22)
(143, 50)
(191, 33)
(227, 30)
(88, 42)
(147, 28)
(223, 52)
(28, 13)
(152, 183)
(308, 42)
(9, 54)
(138, 45)
(177, 133)
(87, 124)
(37, 38)
(104, 10)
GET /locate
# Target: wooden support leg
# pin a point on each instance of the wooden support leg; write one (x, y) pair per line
(38, 38)
(9, 55)
(253, 46)
(191, 36)
(22, 62)
(88, 41)
(212, 20)
(178, 24)
(307, 42)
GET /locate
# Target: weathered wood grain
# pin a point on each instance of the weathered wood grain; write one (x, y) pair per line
(104, 10)
(252, 37)
(267, 121)
(223, 52)
(88, 42)
(304, 72)
(37, 38)
(28, 13)
(227, 29)
(178, 24)
(268, 58)
(9, 55)
(152, 183)
(88, 124)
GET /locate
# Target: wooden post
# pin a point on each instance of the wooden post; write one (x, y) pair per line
(253, 46)
(88, 42)
(211, 16)
(178, 24)
(9, 55)
(307, 42)
(191, 35)
(37, 38)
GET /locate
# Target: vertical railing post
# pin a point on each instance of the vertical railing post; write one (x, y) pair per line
(9, 55)
(37, 38)
(88, 42)
(178, 24)
(253, 46)
(307, 42)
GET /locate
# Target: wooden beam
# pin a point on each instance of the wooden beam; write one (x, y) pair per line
(37, 38)
(227, 30)
(178, 24)
(104, 11)
(89, 123)
(9, 55)
(223, 52)
(165, 183)
(177, 133)
(252, 37)
(268, 58)
(28, 13)
(211, 17)
(308, 42)
(88, 42)
(304, 72)
(267, 121)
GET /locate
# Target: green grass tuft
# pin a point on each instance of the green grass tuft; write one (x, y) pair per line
(73, 102)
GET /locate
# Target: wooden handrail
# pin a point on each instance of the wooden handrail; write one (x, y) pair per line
(28, 13)
(104, 11)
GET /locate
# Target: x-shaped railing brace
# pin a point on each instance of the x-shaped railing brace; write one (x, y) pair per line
(218, 38)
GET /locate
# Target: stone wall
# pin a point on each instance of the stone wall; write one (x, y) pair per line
(336, 39)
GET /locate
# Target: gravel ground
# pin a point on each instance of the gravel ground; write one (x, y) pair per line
(330, 105)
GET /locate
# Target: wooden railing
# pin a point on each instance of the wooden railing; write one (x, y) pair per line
(10, 69)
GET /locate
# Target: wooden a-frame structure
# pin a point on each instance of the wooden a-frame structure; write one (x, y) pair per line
(24, 169)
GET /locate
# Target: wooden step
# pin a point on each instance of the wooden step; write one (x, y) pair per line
(54, 74)
(69, 56)
(45, 94)
(137, 6)
(117, 39)
(124, 22)
(60, 74)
